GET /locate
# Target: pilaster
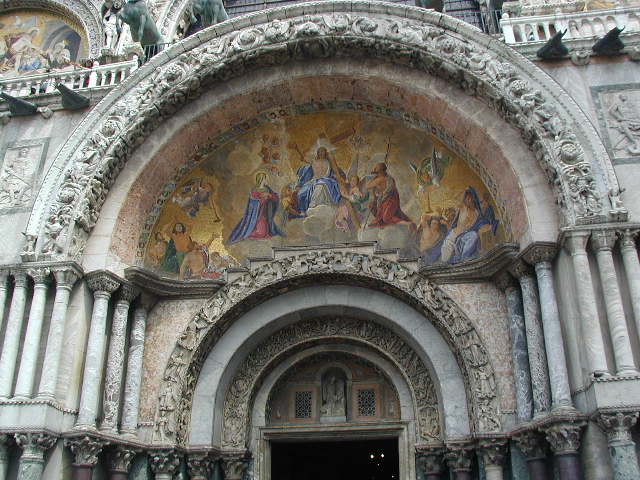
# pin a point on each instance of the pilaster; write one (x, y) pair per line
(164, 463)
(34, 446)
(617, 426)
(85, 452)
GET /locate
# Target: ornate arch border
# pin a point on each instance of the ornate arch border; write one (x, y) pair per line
(83, 12)
(249, 376)
(565, 143)
(183, 368)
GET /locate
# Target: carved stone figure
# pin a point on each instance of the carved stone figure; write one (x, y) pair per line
(143, 28)
(333, 396)
(554, 48)
(625, 119)
(210, 12)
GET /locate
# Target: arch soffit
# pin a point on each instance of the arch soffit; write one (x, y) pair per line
(316, 267)
(564, 141)
(82, 12)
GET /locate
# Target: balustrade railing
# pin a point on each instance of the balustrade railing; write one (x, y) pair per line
(98, 76)
(579, 25)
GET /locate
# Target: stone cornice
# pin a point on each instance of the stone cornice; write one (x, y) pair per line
(52, 265)
(167, 287)
(587, 229)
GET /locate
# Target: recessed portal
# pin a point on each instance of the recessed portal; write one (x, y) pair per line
(353, 460)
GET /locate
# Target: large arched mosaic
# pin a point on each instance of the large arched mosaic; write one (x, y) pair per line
(552, 125)
(239, 398)
(173, 412)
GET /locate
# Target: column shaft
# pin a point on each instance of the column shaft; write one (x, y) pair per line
(64, 283)
(134, 371)
(590, 324)
(31, 345)
(535, 345)
(537, 469)
(632, 272)
(12, 334)
(522, 374)
(603, 242)
(558, 372)
(4, 457)
(493, 472)
(34, 446)
(569, 467)
(4, 290)
(622, 449)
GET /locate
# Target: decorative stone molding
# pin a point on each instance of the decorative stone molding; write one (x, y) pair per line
(199, 465)
(164, 461)
(234, 465)
(603, 239)
(120, 458)
(34, 445)
(239, 396)
(313, 267)
(167, 287)
(493, 450)
(579, 172)
(85, 449)
(101, 281)
(532, 444)
(564, 437)
(66, 274)
(539, 252)
(430, 461)
(460, 457)
(39, 275)
(127, 293)
(617, 425)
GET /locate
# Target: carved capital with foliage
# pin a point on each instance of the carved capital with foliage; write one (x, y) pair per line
(493, 450)
(85, 450)
(40, 275)
(628, 239)
(564, 437)
(200, 466)
(532, 444)
(34, 445)
(120, 458)
(234, 465)
(540, 252)
(164, 461)
(459, 457)
(617, 425)
(102, 282)
(603, 240)
(430, 461)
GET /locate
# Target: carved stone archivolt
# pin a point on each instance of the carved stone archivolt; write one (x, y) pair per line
(311, 268)
(239, 397)
(579, 172)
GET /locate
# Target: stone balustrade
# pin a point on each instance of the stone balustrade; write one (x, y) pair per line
(579, 25)
(107, 75)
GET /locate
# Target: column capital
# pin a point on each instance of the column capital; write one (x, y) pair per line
(430, 461)
(504, 280)
(603, 240)
(40, 275)
(19, 277)
(199, 465)
(127, 293)
(459, 457)
(66, 276)
(164, 461)
(35, 444)
(564, 437)
(617, 425)
(234, 465)
(532, 444)
(102, 281)
(520, 269)
(628, 238)
(575, 241)
(85, 450)
(120, 458)
(539, 252)
(493, 450)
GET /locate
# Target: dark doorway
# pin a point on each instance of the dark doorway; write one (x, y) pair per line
(359, 460)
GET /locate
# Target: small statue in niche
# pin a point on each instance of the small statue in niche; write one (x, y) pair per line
(333, 395)
(143, 29)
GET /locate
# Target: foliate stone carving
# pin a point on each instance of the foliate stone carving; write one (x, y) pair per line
(183, 366)
(100, 148)
(34, 445)
(65, 276)
(617, 425)
(234, 466)
(540, 252)
(532, 444)
(564, 438)
(200, 466)
(520, 269)
(102, 282)
(127, 293)
(237, 403)
(628, 238)
(120, 459)
(493, 451)
(85, 449)
(430, 461)
(459, 457)
(40, 275)
(164, 461)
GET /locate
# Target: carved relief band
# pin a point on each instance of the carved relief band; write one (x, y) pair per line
(20, 168)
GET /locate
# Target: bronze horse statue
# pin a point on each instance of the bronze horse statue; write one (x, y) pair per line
(143, 29)
(210, 11)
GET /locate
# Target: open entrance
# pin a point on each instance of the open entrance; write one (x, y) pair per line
(341, 460)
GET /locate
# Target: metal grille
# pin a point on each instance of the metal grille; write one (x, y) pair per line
(367, 403)
(303, 404)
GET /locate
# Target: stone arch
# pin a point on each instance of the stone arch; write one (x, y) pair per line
(247, 379)
(552, 125)
(82, 13)
(218, 315)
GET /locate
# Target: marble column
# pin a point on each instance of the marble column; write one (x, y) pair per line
(199, 466)
(116, 358)
(31, 345)
(66, 277)
(535, 338)
(13, 333)
(85, 452)
(631, 270)
(494, 453)
(34, 446)
(564, 439)
(119, 461)
(103, 285)
(459, 458)
(519, 353)
(134, 365)
(540, 256)
(430, 463)
(4, 291)
(4, 456)
(534, 447)
(622, 449)
(602, 242)
(576, 243)
(164, 464)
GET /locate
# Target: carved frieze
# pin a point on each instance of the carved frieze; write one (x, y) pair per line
(20, 170)
(618, 110)
(196, 340)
